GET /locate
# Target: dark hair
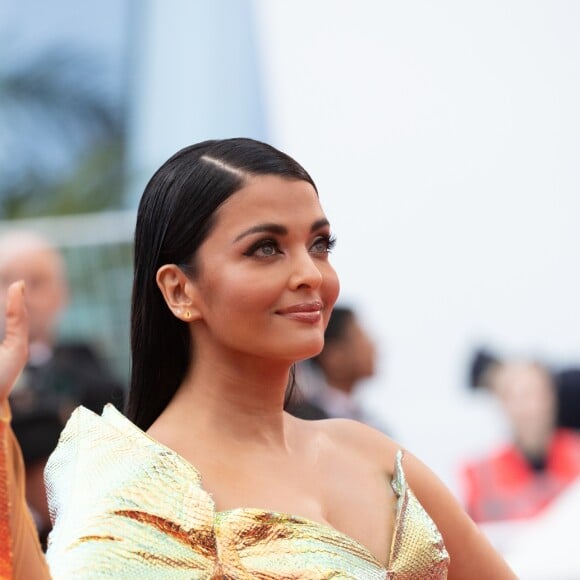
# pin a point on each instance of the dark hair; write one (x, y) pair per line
(482, 360)
(175, 216)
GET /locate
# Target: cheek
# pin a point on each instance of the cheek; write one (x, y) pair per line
(331, 287)
(330, 291)
(238, 293)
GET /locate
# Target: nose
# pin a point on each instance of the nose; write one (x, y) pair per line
(305, 272)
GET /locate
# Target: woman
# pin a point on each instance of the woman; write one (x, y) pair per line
(232, 286)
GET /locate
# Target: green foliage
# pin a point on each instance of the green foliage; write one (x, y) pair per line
(62, 140)
(95, 182)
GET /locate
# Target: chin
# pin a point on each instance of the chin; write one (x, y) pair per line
(298, 353)
(314, 350)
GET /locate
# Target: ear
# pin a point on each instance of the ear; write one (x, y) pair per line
(178, 291)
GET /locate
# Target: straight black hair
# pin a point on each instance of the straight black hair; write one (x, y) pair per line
(176, 213)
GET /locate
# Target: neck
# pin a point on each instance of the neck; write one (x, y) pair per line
(239, 402)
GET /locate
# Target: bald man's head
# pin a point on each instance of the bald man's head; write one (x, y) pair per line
(30, 257)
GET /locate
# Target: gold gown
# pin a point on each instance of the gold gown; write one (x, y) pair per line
(126, 506)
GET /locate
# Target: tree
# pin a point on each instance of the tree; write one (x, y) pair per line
(62, 139)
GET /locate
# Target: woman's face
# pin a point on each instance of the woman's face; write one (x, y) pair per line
(264, 285)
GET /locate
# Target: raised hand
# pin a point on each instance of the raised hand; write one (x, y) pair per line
(14, 348)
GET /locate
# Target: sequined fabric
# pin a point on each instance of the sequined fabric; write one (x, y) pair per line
(417, 543)
(127, 507)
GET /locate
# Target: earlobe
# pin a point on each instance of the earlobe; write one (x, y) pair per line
(178, 290)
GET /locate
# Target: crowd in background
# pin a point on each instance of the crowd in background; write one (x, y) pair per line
(518, 481)
(59, 375)
(522, 118)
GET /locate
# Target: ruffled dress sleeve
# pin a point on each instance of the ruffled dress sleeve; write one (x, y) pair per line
(20, 552)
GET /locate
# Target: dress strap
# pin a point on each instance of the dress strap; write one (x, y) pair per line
(399, 482)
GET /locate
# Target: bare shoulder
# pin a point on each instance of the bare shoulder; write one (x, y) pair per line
(365, 442)
(471, 554)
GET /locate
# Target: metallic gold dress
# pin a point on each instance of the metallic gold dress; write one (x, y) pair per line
(126, 506)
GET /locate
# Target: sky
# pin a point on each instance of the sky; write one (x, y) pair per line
(97, 29)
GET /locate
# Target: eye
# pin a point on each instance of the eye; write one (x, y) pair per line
(263, 249)
(323, 245)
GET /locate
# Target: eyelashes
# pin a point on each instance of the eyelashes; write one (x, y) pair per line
(330, 242)
(327, 242)
(268, 247)
(263, 248)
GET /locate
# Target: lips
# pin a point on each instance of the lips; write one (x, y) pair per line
(304, 312)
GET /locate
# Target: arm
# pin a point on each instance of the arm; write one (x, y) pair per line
(472, 556)
(20, 552)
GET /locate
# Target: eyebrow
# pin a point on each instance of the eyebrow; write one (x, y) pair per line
(278, 229)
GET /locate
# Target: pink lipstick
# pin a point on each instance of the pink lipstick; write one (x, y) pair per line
(310, 312)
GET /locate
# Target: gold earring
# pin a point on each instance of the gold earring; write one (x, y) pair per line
(187, 314)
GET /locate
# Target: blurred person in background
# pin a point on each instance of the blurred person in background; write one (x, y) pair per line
(541, 460)
(58, 376)
(330, 380)
(567, 382)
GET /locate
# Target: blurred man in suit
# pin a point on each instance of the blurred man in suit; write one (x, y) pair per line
(58, 374)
